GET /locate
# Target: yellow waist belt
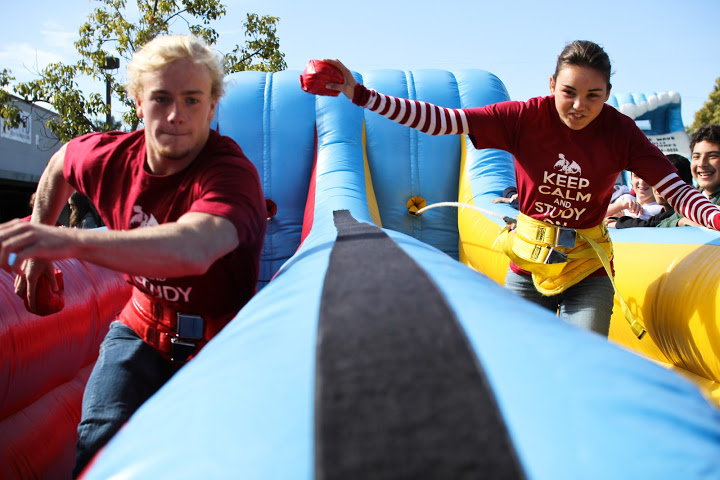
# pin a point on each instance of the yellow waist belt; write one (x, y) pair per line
(560, 257)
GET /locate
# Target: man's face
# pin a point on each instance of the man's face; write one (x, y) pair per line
(705, 165)
(177, 107)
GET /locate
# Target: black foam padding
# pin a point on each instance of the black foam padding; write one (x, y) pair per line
(399, 391)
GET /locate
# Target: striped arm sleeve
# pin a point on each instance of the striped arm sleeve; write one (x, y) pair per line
(689, 202)
(423, 116)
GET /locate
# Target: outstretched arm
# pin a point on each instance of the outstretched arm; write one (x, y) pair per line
(689, 202)
(186, 247)
(183, 248)
(423, 116)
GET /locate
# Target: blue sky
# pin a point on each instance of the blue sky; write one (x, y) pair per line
(655, 45)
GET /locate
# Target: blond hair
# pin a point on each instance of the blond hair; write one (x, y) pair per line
(166, 49)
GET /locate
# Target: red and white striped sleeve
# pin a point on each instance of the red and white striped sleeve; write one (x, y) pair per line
(423, 116)
(689, 202)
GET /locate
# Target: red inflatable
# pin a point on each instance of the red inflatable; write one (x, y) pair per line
(45, 362)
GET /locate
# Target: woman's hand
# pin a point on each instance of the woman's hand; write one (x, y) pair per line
(348, 88)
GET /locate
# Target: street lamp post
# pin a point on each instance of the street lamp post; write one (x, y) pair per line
(111, 63)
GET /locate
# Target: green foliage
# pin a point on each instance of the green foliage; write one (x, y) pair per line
(108, 32)
(710, 112)
(9, 112)
(263, 44)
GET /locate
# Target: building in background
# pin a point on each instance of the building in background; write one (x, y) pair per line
(24, 153)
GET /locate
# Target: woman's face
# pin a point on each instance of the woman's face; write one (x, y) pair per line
(580, 93)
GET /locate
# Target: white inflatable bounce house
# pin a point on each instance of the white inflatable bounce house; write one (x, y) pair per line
(382, 344)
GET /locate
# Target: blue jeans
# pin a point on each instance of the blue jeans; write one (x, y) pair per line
(128, 371)
(587, 304)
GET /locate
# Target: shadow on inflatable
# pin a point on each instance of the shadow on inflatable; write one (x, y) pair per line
(373, 351)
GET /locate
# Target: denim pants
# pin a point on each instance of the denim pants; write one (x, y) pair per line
(128, 371)
(587, 304)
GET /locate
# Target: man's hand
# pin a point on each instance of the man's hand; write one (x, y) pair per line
(686, 222)
(26, 283)
(31, 240)
(33, 247)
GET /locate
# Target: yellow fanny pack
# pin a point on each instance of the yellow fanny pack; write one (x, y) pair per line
(560, 257)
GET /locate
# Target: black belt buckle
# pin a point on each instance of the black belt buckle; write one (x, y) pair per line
(184, 344)
(555, 256)
(181, 350)
(189, 327)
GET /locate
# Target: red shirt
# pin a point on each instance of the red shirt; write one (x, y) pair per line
(566, 176)
(110, 169)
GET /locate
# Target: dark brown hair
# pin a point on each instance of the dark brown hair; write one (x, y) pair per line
(82, 207)
(706, 133)
(584, 53)
(683, 166)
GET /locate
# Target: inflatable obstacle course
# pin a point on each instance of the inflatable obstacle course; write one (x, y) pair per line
(365, 314)
(262, 399)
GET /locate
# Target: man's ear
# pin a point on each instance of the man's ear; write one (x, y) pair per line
(213, 106)
(138, 107)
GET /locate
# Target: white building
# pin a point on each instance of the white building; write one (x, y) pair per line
(24, 153)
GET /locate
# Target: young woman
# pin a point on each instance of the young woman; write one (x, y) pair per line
(568, 146)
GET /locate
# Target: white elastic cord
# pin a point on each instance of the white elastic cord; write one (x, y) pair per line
(461, 205)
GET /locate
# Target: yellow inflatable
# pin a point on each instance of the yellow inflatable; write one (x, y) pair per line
(669, 277)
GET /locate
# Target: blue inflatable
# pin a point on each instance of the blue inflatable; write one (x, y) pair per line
(374, 352)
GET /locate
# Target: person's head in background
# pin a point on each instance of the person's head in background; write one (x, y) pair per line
(705, 160)
(643, 191)
(31, 203)
(80, 207)
(683, 170)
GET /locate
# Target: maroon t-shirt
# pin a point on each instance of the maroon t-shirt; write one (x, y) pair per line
(110, 169)
(566, 176)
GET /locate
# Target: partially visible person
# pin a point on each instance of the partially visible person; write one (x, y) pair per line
(186, 221)
(509, 196)
(705, 169)
(31, 204)
(82, 212)
(683, 169)
(619, 189)
(640, 204)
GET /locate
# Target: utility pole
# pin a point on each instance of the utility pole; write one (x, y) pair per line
(111, 63)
